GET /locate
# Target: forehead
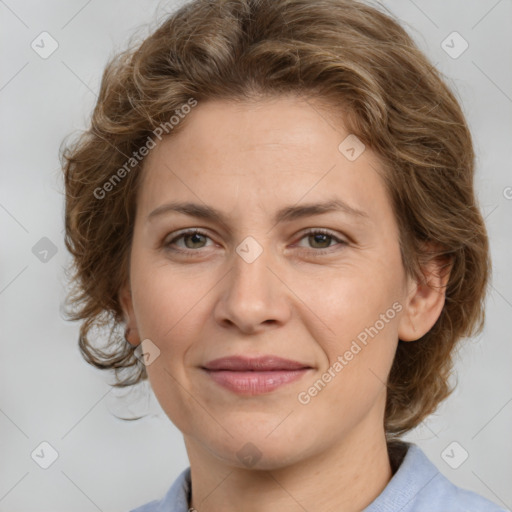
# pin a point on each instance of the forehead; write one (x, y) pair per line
(265, 155)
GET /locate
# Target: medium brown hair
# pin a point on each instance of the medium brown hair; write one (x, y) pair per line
(341, 52)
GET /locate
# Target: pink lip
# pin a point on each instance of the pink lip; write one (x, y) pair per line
(252, 376)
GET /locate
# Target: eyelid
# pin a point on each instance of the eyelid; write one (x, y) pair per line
(324, 231)
(183, 232)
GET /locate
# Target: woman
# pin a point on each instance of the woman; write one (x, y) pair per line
(275, 201)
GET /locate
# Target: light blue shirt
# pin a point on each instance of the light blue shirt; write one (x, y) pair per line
(416, 486)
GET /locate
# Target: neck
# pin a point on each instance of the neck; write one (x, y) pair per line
(348, 476)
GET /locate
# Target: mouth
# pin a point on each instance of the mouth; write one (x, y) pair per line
(254, 376)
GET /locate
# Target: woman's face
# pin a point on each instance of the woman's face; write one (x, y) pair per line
(267, 275)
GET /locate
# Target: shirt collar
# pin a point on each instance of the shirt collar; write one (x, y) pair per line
(177, 498)
(414, 473)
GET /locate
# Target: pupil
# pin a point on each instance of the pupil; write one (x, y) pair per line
(318, 238)
(195, 237)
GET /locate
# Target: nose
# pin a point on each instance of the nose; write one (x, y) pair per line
(254, 296)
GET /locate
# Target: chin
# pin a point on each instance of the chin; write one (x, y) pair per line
(248, 452)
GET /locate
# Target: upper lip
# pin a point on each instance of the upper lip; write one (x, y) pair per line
(262, 363)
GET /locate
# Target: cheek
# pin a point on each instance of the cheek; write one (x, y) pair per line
(356, 324)
(344, 303)
(166, 299)
(357, 361)
(168, 308)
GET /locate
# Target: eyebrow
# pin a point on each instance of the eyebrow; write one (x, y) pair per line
(286, 214)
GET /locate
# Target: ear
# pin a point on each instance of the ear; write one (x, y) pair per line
(131, 333)
(425, 300)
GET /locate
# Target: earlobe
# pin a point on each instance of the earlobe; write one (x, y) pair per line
(131, 333)
(425, 301)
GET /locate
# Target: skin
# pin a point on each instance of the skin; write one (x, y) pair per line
(248, 160)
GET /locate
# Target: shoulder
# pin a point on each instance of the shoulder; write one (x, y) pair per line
(418, 486)
(447, 496)
(175, 500)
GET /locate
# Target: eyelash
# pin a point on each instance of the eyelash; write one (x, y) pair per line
(191, 252)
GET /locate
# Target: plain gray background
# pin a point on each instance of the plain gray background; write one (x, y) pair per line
(49, 394)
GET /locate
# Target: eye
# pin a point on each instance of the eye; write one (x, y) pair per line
(193, 239)
(321, 239)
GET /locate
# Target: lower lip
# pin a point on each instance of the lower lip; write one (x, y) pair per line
(255, 383)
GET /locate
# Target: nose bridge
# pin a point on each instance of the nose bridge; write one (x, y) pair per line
(250, 266)
(252, 295)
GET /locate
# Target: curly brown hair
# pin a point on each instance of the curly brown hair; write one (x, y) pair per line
(344, 53)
